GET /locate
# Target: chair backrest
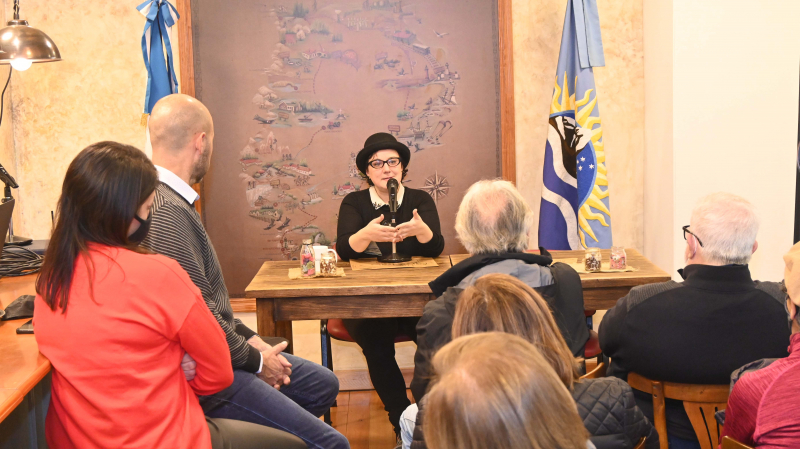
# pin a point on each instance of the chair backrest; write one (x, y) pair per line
(599, 371)
(730, 443)
(700, 402)
(640, 444)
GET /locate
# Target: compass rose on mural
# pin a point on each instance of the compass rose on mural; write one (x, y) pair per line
(436, 186)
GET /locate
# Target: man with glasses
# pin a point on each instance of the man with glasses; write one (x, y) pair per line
(698, 331)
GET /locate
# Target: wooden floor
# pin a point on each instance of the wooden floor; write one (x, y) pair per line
(360, 417)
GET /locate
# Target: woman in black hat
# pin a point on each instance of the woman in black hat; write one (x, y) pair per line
(363, 232)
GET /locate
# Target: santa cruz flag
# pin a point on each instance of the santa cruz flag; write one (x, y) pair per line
(575, 209)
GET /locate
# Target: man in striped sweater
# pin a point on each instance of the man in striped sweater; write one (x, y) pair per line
(270, 388)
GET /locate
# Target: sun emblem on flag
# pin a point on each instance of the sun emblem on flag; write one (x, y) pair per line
(583, 154)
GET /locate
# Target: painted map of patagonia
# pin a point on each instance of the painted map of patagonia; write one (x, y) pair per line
(295, 87)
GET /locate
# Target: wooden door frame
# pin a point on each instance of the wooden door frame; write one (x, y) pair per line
(506, 38)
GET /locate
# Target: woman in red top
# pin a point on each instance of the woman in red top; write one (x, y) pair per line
(116, 322)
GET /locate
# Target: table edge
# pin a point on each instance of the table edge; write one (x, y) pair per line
(11, 403)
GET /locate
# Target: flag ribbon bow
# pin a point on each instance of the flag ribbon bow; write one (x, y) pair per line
(161, 81)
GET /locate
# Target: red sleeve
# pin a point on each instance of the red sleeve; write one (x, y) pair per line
(203, 339)
(742, 410)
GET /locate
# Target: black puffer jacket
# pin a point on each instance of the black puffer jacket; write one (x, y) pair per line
(608, 410)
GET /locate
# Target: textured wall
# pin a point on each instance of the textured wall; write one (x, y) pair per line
(96, 93)
(620, 91)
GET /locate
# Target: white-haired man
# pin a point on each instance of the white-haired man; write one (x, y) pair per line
(698, 331)
(493, 223)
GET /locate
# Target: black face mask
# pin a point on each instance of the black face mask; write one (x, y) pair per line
(144, 226)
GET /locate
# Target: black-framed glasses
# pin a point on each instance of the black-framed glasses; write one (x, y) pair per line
(391, 162)
(686, 230)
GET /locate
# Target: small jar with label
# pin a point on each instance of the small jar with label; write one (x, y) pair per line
(592, 260)
(307, 259)
(327, 264)
(618, 259)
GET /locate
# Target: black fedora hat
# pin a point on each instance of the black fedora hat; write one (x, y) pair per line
(381, 141)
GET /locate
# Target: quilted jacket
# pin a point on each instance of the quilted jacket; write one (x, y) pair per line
(608, 410)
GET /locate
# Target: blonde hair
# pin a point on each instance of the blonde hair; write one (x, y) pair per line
(493, 218)
(496, 390)
(503, 303)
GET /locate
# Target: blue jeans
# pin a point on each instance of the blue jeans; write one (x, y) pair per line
(677, 443)
(294, 409)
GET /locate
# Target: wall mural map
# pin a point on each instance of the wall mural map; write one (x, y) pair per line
(314, 80)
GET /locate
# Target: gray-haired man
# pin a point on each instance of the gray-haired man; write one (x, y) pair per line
(698, 331)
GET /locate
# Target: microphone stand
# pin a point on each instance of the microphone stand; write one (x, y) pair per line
(394, 257)
(10, 182)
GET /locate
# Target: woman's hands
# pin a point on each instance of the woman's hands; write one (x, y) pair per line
(414, 227)
(374, 231)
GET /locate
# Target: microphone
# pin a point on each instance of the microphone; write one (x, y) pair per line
(392, 186)
(7, 178)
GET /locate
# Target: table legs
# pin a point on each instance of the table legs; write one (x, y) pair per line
(268, 327)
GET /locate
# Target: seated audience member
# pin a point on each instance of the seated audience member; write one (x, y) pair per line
(270, 388)
(496, 391)
(762, 409)
(698, 331)
(493, 223)
(116, 322)
(501, 303)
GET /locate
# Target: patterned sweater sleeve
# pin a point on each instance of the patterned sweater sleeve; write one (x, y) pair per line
(172, 234)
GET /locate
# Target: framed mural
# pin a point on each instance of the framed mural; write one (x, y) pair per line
(296, 86)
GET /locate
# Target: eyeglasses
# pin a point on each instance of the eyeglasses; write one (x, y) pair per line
(686, 230)
(391, 162)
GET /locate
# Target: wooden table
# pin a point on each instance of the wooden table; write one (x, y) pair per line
(401, 292)
(360, 294)
(21, 364)
(602, 290)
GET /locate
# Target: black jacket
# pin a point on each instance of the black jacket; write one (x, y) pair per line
(696, 332)
(608, 411)
(357, 211)
(558, 284)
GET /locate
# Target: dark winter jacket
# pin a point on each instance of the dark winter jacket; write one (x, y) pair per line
(558, 284)
(696, 331)
(607, 408)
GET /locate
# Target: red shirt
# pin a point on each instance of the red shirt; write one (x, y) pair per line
(116, 354)
(763, 409)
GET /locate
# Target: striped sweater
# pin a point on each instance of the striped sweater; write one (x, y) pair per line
(177, 232)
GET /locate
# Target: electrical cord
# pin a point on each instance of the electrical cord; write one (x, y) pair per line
(19, 261)
(4, 94)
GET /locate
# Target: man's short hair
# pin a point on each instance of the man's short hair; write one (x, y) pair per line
(493, 218)
(727, 225)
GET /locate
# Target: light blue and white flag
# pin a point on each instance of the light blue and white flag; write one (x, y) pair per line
(161, 79)
(575, 210)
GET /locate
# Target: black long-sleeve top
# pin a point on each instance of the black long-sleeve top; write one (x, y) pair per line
(357, 211)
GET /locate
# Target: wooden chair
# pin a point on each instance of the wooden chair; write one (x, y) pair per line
(640, 444)
(599, 371)
(730, 443)
(700, 402)
(334, 328)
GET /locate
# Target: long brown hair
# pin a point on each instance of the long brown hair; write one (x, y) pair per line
(104, 186)
(497, 391)
(503, 303)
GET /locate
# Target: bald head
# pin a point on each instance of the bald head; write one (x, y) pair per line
(182, 136)
(175, 122)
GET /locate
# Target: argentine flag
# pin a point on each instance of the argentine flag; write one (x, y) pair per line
(161, 15)
(575, 211)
